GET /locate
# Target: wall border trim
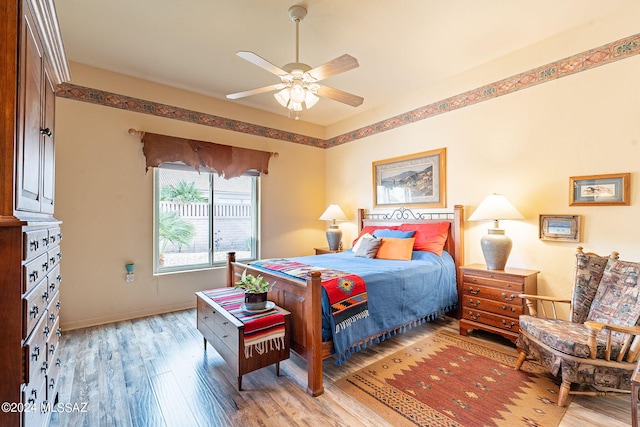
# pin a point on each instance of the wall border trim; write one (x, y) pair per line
(606, 54)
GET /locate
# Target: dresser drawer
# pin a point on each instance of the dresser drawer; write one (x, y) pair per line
(54, 255)
(34, 394)
(35, 243)
(55, 236)
(501, 308)
(34, 272)
(55, 279)
(220, 324)
(34, 305)
(35, 352)
(502, 322)
(53, 359)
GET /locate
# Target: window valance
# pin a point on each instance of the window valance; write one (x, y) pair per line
(227, 161)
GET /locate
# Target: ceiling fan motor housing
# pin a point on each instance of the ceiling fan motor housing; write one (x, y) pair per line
(297, 13)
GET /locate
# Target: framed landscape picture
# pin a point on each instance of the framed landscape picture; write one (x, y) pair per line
(416, 180)
(607, 190)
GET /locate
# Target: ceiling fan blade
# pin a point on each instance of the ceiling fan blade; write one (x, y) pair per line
(339, 65)
(246, 93)
(340, 96)
(261, 62)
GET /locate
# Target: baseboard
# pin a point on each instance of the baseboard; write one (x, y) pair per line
(87, 323)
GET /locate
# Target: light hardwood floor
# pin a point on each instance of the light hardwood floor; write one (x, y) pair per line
(153, 371)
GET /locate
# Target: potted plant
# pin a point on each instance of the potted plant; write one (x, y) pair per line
(255, 290)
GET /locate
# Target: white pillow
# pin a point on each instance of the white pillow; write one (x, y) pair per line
(357, 245)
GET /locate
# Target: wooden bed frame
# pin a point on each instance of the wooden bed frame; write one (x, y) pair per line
(303, 300)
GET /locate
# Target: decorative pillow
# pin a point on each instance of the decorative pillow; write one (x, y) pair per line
(371, 228)
(617, 300)
(385, 232)
(589, 269)
(368, 247)
(429, 237)
(396, 248)
(358, 241)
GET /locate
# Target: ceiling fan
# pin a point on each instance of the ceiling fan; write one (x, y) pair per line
(298, 87)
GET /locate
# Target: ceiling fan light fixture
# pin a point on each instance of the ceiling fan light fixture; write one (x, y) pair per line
(298, 93)
(310, 99)
(283, 97)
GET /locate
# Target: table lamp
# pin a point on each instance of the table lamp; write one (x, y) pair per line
(496, 246)
(334, 234)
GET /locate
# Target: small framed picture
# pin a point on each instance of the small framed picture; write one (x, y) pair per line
(560, 228)
(604, 190)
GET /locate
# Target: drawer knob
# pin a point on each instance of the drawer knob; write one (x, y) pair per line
(45, 331)
(43, 368)
(34, 311)
(58, 305)
(510, 325)
(52, 348)
(474, 291)
(35, 353)
(474, 316)
(225, 323)
(225, 336)
(46, 132)
(474, 304)
(59, 332)
(33, 276)
(52, 383)
(508, 298)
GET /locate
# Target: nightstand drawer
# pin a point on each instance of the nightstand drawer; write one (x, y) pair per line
(502, 322)
(495, 280)
(497, 307)
(500, 295)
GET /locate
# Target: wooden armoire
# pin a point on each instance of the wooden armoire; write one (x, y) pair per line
(33, 62)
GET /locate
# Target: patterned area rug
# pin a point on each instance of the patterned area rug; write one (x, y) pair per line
(451, 380)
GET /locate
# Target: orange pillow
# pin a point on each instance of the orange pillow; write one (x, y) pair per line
(396, 248)
(429, 237)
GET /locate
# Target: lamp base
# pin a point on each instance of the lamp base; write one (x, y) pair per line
(496, 247)
(334, 235)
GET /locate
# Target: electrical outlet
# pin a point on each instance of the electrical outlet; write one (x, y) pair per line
(130, 277)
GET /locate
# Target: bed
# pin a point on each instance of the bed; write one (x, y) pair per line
(311, 325)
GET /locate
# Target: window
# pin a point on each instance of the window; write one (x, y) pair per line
(199, 217)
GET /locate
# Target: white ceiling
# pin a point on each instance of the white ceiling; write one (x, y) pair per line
(401, 45)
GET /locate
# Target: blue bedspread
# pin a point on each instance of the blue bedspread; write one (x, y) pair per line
(400, 293)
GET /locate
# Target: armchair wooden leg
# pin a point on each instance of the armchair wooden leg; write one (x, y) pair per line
(521, 358)
(564, 392)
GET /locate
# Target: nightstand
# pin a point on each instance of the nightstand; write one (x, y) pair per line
(489, 299)
(322, 251)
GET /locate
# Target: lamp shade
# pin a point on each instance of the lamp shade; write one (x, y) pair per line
(495, 207)
(496, 246)
(333, 213)
(334, 234)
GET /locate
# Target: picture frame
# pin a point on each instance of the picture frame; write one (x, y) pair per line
(560, 228)
(603, 190)
(416, 180)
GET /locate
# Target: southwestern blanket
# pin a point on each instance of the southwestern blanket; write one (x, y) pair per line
(347, 292)
(263, 331)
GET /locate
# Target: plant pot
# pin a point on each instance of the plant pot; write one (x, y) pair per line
(254, 301)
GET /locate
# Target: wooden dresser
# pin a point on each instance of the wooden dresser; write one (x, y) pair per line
(489, 299)
(30, 236)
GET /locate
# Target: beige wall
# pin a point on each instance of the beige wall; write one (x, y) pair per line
(525, 145)
(104, 198)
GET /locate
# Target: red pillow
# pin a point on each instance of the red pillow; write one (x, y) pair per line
(371, 228)
(429, 237)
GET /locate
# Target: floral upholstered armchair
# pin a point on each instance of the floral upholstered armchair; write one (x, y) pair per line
(600, 345)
